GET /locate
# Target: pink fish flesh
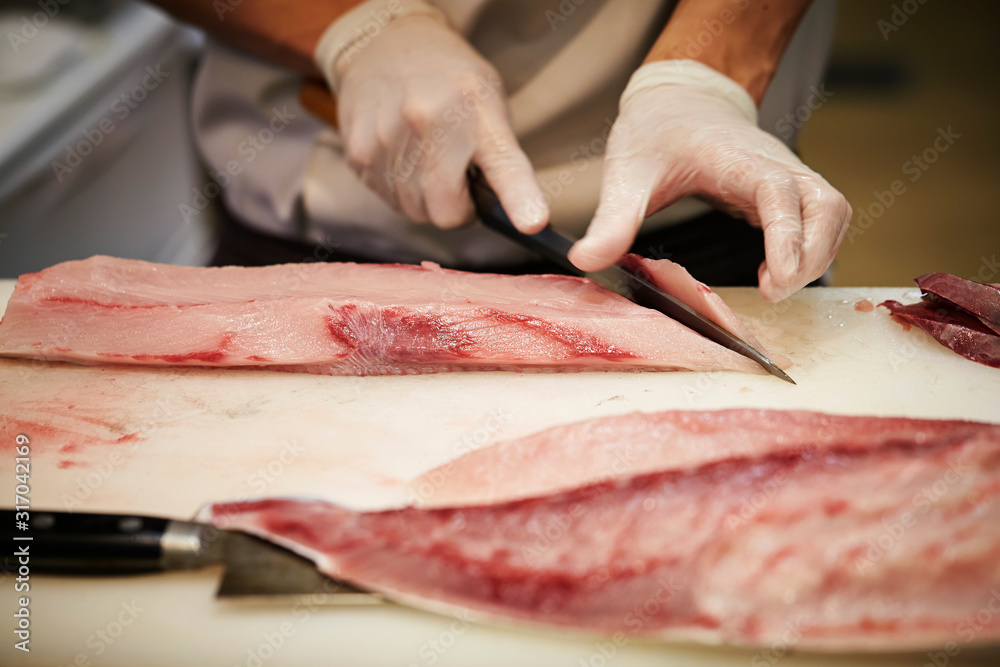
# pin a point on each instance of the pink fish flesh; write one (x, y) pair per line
(853, 532)
(348, 319)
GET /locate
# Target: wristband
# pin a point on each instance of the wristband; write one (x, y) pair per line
(691, 74)
(346, 37)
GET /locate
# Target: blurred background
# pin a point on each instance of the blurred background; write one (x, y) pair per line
(892, 92)
(95, 155)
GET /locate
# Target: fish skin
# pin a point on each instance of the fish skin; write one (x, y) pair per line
(885, 541)
(342, 319)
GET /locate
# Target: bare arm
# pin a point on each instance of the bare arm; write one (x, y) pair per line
(743, 39)
(281, 32)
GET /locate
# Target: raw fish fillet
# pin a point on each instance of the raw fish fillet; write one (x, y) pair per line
(751, 526)
(962, 315)
(676, 281)
(981, 300)
(348, 319)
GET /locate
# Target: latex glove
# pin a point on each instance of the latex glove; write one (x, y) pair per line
(685, 129)
(417, 104)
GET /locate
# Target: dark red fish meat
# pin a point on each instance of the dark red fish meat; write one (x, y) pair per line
(962, 315)
(981, 300)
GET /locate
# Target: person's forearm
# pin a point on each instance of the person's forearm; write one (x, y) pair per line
(743, 39)
(281, 32)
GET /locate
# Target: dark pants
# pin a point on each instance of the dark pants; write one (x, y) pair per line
(716, 248)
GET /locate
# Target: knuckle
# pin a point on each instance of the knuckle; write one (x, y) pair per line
(829, 200)
(413, 207)
(770, 196)
(466, 82)
(448, 219)
(360, 155)
(418, 115)
(833, 201)
(735, 172)
(497, 157)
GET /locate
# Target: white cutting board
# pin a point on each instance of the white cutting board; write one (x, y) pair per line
(167, 441)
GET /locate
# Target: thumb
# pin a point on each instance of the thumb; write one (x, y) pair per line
(626, 187)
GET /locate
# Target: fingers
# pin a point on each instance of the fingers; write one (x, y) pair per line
(825, 217)
(407, 175)
(768, 289)
(626, 187)
(421, 171)
(779, 211)
(510, 174)
(446, 192)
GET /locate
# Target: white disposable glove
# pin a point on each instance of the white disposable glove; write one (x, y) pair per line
(685, 129)
(417, 104)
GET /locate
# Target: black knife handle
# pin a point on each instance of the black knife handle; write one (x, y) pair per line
(75, 543)
(548, 243)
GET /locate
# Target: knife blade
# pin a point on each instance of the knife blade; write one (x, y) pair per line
(555, 247)
(71, 543)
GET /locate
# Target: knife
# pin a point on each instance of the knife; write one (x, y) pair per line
(113, 544)
(554, 247)
(550, 244)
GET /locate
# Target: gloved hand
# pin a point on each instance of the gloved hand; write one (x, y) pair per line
(684, 129)
(417, 104)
